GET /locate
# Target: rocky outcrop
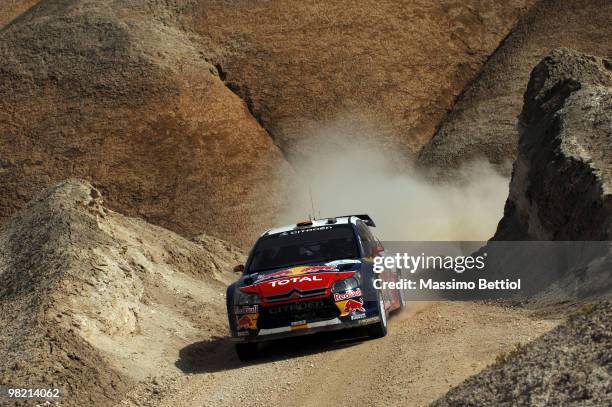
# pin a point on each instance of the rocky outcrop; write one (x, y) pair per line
(561, 187)
(482, 123)
(96, 302)
(569, 365)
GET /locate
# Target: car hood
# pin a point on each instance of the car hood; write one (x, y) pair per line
(299, 282)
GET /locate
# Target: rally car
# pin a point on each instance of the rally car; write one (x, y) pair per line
(308, 277)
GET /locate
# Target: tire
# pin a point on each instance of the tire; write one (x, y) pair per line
(402, 296)
(402, 300)
(247, 351)
(379, 329)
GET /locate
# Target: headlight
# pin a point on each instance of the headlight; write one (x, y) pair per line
(241, 298)
(349, 283)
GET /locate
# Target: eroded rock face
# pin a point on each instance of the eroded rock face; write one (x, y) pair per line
(94, 302)
(561, 187)
(482, 123)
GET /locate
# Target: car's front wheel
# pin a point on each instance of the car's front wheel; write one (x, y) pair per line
(379, 329)
(247, 351)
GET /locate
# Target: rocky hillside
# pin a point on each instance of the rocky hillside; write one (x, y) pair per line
(389, 68)
(561, 187)
(569, 365)
(96, 302)
(118, 93)
(11, 9)
(560, 190)
(176, 109)
(483, 121)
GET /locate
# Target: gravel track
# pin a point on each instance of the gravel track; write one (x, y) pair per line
(430, 348)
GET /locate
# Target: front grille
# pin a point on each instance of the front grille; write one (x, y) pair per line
(295, 293)
(309, 311)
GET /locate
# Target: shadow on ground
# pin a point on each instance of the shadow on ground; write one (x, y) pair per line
(218, 354)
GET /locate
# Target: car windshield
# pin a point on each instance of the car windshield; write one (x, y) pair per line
(303, 246)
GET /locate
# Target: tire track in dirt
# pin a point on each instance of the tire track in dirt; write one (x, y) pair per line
(430, 348)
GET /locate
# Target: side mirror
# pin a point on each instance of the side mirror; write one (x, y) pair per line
(239, 268)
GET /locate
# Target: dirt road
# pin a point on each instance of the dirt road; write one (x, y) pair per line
(430, 348)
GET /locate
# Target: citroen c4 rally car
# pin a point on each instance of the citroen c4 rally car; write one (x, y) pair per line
(309, 277)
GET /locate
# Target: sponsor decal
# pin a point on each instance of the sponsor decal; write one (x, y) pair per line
(246, 322)
(295, 280)
(248, 309)
(367, 321)
(298, 325)
(296, 232)
(347, 294)
(296, 307)
(342, 262)
(350, 307)
(293, 272)
(243, 333)
(357, 316)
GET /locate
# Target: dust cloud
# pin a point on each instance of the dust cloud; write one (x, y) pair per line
(348, 174)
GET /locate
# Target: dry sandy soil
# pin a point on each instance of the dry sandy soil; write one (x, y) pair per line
(10, 9)
(430, 348)
(568, 366)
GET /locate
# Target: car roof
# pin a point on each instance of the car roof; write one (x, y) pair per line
(340, 220)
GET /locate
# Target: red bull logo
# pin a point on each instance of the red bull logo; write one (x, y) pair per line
(294, 271)
(348, 294)
(350, 307)
(310, 269)
(246, 322)
(353, 306)
(248, 309)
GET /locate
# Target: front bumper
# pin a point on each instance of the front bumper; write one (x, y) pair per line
(306, 329)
